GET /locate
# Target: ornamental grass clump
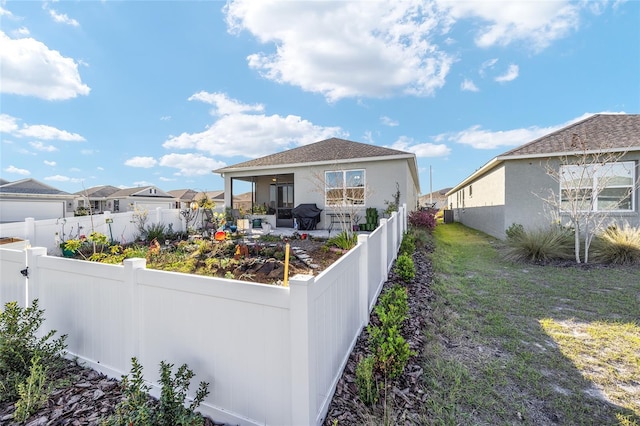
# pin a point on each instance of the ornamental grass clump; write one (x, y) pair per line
(543, 244)
(618, 245)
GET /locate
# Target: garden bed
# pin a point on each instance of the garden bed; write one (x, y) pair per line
(260, 259)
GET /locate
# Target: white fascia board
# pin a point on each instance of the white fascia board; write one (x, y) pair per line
(569, 153)
(482, 170)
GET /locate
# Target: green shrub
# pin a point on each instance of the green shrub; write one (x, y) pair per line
(514, 231)
(34, 392)
(617, 245)
(393, 306)
(19, 345)
(390, 349)
(405, 268)
(408, 244)
(366, 381)
(540, 244)
(137, 408)
(393, 353)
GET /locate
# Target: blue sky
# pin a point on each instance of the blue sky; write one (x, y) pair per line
(140, 93)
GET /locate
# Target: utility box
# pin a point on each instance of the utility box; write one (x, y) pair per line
(448, 216)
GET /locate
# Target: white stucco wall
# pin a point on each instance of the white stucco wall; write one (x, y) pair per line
(515, 193)
(481, 203)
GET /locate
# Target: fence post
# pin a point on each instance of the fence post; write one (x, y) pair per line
(303, 377)
(404, 218)
(30, 230)
(363, 267)
(131, 267)
(158, 215)
(384, 224)
(33, 282)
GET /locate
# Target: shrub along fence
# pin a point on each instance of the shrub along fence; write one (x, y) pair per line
(273, 355)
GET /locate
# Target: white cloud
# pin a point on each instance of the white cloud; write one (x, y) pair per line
(469, 86)
(60, 178)
(15, 170)
(164, 179)
(44, 132)
(225, 105)
(22, 32)
(142, 183)
(8, 124)
(421, 150)
(5, 12)
(30, 68)
(346, 49)
(511, 74)
(50, 163)
(62, 18)
(486, 65)
(388, 121)
(537, 23)
(238, 134)
(143, 162)
(191, 164)
(42, 147)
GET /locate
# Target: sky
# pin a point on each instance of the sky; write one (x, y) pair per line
(137, 93)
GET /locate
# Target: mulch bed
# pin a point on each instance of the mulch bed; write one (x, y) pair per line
(405, 395)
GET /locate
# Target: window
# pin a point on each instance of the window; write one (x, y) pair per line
(116, 205)
(598, 187)
(344, 187)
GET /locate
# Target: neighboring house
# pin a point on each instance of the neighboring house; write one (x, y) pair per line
(141, 198)
(329, 173)
(96, 199)
(512, 188)
(183, 197)
(109, 198)
(437, 199)
(31, 198)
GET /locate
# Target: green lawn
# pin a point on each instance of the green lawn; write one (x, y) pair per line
(514, 343)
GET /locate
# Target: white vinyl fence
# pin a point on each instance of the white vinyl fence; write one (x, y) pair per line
(272, 355)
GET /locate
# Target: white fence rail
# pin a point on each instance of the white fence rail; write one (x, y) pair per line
(272, 355)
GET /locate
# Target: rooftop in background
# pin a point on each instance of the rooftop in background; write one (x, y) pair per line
(600, 131)
(327, 150)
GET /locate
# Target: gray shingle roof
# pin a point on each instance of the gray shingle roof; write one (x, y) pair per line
(30, 186)
(99, 191)
(328, 150)
(600, 131)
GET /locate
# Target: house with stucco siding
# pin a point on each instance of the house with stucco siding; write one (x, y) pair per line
(513, 187)
(326, 173)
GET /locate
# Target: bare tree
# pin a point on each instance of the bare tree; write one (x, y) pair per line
(345, 193)
(594, 184)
